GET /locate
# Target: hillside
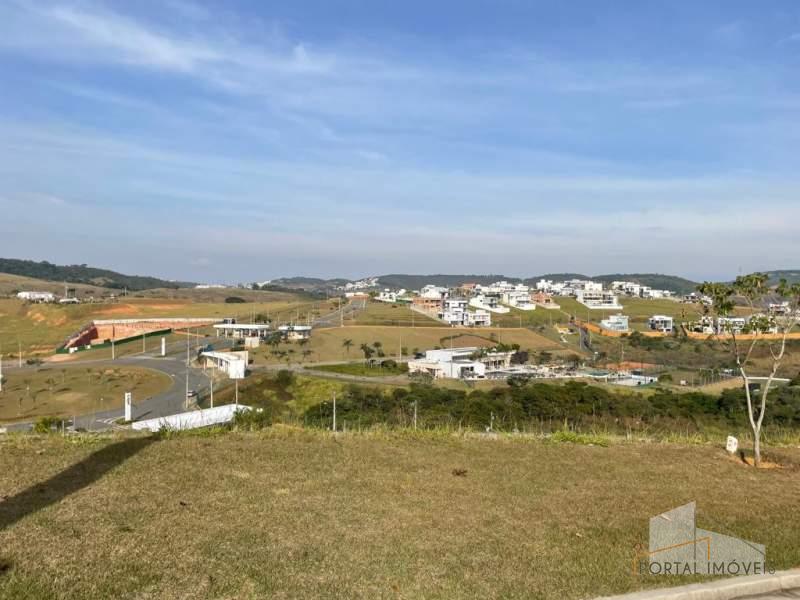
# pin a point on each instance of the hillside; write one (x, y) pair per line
(656, 281)
(289, 513)
(790, 275)
(11, 284)
(85, 275)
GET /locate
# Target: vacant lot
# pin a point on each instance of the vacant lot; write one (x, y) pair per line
(302, 514)
(327, 344)
(384, 313)
(65, 392)
(39, 328)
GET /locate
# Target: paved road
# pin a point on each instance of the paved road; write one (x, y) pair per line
(167, 403)
(347, 311)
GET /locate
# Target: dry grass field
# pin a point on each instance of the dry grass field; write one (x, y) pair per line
(326, 344)
(299, 514)
(64, 392)
(42, 327)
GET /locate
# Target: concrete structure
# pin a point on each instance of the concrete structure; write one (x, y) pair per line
(490, 302)
(661, 323)
(461, 363)
(233, 364)
(519, 299)
(37, 296)
(730, 325)
(427, 304)
(454, 312)
(598, 299)
(69, 301)
(615, 323)
(103, 330)
(243, 330)
(294, 333)
(193, 419)
(544, 300)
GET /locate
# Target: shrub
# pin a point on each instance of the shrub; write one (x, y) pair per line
(389, 364)
(252, 420)
(234, 300)
(284, 378)
(46, 424)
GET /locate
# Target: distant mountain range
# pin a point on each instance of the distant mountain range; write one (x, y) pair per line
(86, 275)
(111, 279)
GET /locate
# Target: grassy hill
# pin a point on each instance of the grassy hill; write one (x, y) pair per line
(791, 275)
(302, 514)
(84, 274)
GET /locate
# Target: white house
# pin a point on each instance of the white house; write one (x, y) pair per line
(490, 302)
(598, 300)
(461, 363)
(730, 325)
(661, 323)
(519, 299)
(37, 296)
(454, 312)
(387, 296)
(615, 323)
(433, 292)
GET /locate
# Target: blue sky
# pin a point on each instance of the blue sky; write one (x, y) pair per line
(249, 140)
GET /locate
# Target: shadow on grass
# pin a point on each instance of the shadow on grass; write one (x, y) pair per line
(69, 481)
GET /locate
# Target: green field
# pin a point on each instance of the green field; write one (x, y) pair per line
(365, 370)
(64, 392)
(291, 513)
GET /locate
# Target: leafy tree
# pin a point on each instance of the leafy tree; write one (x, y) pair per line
(754, 292)
(367, 350)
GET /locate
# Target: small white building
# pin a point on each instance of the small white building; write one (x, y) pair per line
(294, 333)
(37, 296)
(242, 330)
(661, 323)
(617, 323)
(234, 364)
(461, 363)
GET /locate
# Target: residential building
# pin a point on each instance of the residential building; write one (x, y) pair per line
(661, 323)
(434, 291)
(519, 299)
(454, 312)
(461, 363)
(427, 304)
(618, 323)
(544, 300)
(490, 302)
(733, 325)
(598, 300)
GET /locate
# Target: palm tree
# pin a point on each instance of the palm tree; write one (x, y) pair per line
(368, 352)
(347, 344)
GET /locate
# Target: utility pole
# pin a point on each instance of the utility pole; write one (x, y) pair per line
(334, 411)
(19, 353)
(113, 356)
(186, 399)
(415, 415)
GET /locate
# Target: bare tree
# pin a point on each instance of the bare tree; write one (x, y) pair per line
(769, 329)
